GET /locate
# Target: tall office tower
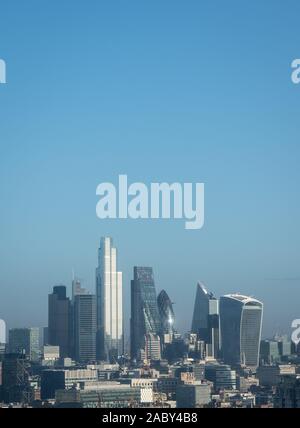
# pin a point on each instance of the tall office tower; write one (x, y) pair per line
(241, 323)
(109, 303)
(59, 320)
(77, 289)
(145, 325)
(206, 320)
(165, 308)
(25, 341)
(85, 327)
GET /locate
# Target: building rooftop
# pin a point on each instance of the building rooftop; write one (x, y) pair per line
(242, 298)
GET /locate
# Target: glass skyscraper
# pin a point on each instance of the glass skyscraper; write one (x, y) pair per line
(241, 323)
(206, 319)
(25, 341)
(165, 308)
(109, 303)
(145, 322)
(85, 327)
(59, 320)
(77, 288)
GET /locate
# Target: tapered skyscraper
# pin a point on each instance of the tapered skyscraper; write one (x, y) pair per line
(165, 308)
(109, 303)
(206, 319)
(241, 322)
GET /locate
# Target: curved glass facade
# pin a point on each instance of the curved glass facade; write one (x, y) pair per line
(145, 322)
(241, 321)
(165, 308)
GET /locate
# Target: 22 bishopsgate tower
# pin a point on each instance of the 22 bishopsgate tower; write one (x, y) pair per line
(109, 303)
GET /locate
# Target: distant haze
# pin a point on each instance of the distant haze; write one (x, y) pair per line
(160, 91)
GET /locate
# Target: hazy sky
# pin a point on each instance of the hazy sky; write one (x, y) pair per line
(161, 91)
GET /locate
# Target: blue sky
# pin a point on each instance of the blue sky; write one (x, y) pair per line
(161, 91)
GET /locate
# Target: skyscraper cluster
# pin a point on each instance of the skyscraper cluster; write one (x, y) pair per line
(90, 327)
(83, 348)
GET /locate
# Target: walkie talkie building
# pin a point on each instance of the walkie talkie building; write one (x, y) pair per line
(241, 322)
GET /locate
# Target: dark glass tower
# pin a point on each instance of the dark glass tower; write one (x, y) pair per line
(59, 320)
(85, 323)
(165, 308)
(145, 322)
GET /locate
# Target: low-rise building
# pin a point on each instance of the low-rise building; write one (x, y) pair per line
(193, 395)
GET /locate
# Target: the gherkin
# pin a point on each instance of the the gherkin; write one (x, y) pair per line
(165, 307)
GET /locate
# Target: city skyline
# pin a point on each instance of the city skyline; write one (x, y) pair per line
(151, 313)
(80, 361)
(89, 327)
(149, 222)
(75, 287)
